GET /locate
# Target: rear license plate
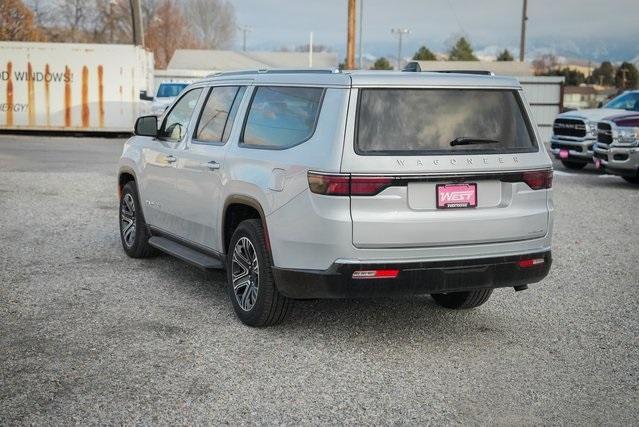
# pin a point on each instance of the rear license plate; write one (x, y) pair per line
(597, 163)
(564, 154)
(456, 196)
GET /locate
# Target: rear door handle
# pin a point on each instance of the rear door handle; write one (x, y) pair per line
(171, 159)
(212, 165)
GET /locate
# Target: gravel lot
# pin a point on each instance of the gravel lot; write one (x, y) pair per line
(89, 336)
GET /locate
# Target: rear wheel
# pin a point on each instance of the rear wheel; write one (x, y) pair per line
(461, 300)
(632, 179)
(250, 281)
(570, 164)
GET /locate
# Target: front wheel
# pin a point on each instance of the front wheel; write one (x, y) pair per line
(569, 164)
(462, 300)
(250, 280)
(133, 232)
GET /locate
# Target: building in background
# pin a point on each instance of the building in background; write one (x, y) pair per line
(193, 64)
(587, 96)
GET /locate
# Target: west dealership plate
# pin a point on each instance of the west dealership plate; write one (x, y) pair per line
(456, 196)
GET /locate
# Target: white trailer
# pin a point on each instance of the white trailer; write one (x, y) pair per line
(73, 87)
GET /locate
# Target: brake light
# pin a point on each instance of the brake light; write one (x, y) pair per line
(538, 180)
(347, 185)
(375, 274)
(525, 263)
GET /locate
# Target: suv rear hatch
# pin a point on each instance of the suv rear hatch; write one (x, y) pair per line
(443, 167)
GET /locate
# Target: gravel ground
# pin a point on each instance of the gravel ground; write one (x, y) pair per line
(89, 336)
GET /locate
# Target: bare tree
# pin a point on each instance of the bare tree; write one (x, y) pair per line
(213, 22)
(545, 64)
(167, 32)
(75, 16)
(17, 22)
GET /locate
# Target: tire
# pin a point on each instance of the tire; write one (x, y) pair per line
(134, 234)
(251, 287)
(569, 164)
(463, 300)
(632, 179)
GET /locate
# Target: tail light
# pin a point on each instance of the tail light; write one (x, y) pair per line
(538, 180)
(531, 262)
(347, 185)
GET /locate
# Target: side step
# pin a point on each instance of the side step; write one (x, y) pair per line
(185, 253)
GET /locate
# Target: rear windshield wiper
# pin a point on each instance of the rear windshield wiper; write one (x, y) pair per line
(469, 141)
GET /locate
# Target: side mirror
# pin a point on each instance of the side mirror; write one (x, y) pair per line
(146, 126)
(144, 96)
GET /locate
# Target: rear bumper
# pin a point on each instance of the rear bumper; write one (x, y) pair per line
(413, 279)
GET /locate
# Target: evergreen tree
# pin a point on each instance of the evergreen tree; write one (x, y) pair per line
(424, 54)
(627, 76)
(462, 51)
(382, 64)
(505, 55)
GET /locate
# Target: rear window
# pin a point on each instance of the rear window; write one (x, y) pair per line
(441, 121)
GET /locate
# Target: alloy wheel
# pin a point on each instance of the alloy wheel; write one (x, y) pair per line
(245, 274)
(127, 220)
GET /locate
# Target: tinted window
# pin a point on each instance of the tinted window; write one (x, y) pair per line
(627, 101)
(280, 117)
(426, 121)
(167, 90)
(218, 114)
(178, 119)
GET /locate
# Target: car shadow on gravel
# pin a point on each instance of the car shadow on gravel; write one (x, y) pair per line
(384, 317)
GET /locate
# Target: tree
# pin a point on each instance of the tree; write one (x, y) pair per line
(505, 55)
(573, 77)
(626, 76)
(167, 32)
(545, 64)
(213, 22)
(382, 64)
(603, 75)
(462, 51)
(424, 54)
(17, 22)
(75, 16)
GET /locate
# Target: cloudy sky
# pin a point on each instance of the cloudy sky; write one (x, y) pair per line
(592, 29)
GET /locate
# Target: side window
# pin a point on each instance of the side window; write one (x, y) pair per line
(281, 117)
(176, 122)
(218, 114)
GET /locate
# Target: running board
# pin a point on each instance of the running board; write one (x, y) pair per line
(185, 253)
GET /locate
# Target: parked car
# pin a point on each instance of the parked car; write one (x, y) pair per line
(165, 95)
(320, 184)
(617, 147)
(575, 132)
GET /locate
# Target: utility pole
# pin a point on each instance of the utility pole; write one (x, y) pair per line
(400, 32)
(245, 29)
(350, 40)
(136, 17)
(361, 38)
(522, 40)
(624, 72)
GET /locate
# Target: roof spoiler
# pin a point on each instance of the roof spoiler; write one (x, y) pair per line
(414, 67)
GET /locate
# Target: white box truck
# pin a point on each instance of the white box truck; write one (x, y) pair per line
(73, 87)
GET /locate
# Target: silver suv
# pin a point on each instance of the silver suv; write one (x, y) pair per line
(325, 184)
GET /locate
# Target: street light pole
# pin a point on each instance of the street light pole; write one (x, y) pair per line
(400, 33)
(245, 29)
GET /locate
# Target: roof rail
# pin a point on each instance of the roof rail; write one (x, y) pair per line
(274, 71)
(414, 67)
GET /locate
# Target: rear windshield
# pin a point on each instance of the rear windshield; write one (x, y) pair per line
(169, 90)
(441, 121)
